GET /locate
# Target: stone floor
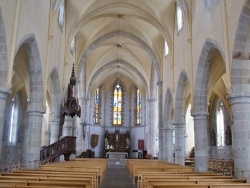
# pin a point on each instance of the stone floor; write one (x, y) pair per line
(117, 177)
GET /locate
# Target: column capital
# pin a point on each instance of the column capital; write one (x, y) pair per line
(54, 121)
(36, 112)
(151, 100)
(167, 129)
(159, 83)
(47, 132)
(4, 91)
(241, 98)
(198, 115)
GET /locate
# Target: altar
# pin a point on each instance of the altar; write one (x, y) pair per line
(116, 158)
(115, 143)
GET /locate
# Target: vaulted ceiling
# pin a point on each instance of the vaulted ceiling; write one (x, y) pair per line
(125, 36)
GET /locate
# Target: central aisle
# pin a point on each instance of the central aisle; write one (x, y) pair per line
(117, 177)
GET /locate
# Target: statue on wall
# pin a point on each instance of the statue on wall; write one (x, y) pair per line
(228, 136)
(213, 138)
(106, 142)
(127, 142)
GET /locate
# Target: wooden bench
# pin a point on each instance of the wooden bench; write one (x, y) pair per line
(157, 174)
(56, 174)
(59, 175)
(51, 183)
(206, 181)
(209, 185)
(144, 176)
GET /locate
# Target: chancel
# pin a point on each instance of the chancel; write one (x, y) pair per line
(121, 82)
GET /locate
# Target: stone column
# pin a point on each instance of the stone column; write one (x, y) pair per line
(186, 145)
(179, 143)
(47, 138)
(201, 141)
(240, 134)
(152, 128)
(3, 96)
(79, 139)
(68, 126)
(160, 119)
(167, 144)
(34, 138)
(54, 131)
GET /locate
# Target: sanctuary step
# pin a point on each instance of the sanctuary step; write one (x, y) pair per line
(117, 158)
(117, 177)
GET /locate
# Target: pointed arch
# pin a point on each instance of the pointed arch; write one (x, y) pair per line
(56, 97)
(142, 44)
(120, 62)
(180, 100)
(202, 75)
(168, 108)
(35, 70)
(241, 53)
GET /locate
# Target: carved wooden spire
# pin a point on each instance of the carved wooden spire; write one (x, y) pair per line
(71, 106)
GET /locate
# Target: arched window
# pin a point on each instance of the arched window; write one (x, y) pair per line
(166, 49)
(179, 17)
(61, 15)
(97, 105)
(220, 125)
(13, 122)
(138, 107)
(72, 46)
(117, 105)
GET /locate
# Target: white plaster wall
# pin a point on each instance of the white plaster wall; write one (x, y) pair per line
(99, 130)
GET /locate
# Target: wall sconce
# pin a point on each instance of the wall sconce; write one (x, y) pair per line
(29, 100)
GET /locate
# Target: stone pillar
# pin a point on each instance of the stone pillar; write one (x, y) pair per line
(201, 141)
(34, 138)
(167, 144)
(186, 145)
(3, 96)
(151, 142)
(79, 139)
(47, 138)
(68, 126)
(54, 131)
(160, 119)
(179, 143)
(240, 134)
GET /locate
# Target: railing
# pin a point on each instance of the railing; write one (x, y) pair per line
(8, 167)
(66, 146)
(221, 166)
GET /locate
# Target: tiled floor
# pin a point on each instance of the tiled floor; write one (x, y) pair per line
(117, 177)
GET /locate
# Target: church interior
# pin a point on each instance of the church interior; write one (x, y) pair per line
(161, 80)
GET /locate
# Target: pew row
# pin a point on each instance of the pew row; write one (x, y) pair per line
(84, 174)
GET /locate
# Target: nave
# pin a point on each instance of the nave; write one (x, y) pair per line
(138, 173)
(117, 177)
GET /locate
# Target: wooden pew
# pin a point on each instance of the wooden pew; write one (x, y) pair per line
(167, 177)
(185, 185)
(100, 165)
(206, 181)
(144, 176)
(60, 175)
(51, 183)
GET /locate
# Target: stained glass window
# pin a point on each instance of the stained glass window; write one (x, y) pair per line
(117, 106)
(96, 106)
(220, 124)
(138, 107)
(13, 122)
(60, 17)
(166, 49)
(179, 18)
